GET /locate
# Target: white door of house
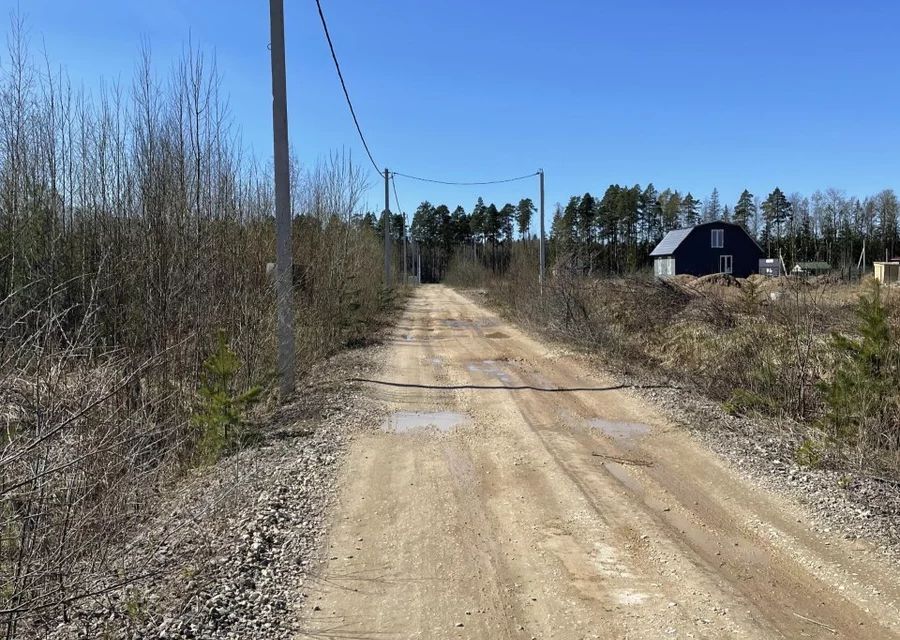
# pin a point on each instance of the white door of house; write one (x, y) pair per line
(664, 267)
(724, 264)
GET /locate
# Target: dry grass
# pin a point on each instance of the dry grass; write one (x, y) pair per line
(760, 346)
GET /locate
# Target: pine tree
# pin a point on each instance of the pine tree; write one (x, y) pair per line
(477, 219)
(562, 232)
(690, 210)
(861, 398)
(492, 223)
(651, 215)
(671, 209)
(370, 220)
(462, 232)
(744, 210)
(713, 209)
(585, 215)
(507, 217)
(398, 226)
(220, 414)
(524, 212)
(629, 206)
(608, 219)
(776, 211)
(888, 208)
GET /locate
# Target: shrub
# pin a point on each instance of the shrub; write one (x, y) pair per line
(220, 414)
(861, 399)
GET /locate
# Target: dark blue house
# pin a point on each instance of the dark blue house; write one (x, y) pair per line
(712, 247)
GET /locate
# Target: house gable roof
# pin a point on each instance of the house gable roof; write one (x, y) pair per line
(670, 242)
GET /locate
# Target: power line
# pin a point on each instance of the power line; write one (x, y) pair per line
(466, 184)
(396, 199)
(405, 236)
(337, 66)
(362, 137)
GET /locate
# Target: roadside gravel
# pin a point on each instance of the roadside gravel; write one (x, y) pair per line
(234, 550)
(853, 504)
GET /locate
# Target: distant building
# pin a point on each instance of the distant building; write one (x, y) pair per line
(713, 247)
(811, 268)
(887, 272)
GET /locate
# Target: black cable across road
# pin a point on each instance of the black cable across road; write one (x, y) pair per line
(337, 66)
(500, 387)
(466, 184)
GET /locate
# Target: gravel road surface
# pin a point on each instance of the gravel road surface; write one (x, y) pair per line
(512, 493)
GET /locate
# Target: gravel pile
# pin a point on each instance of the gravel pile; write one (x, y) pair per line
(232, 550)
(853, 504)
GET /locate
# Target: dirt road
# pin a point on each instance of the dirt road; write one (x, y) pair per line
(523, 513)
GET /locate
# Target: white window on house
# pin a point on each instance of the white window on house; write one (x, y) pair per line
(718, 238)
(725, 264)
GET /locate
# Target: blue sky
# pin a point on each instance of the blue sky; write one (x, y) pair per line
(692, 95)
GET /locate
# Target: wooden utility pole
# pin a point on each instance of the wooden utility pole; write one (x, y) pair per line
(541, 242)
(387, 231)
(283, 249)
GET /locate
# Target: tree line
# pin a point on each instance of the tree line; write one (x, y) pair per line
(486, 234)
(615, 233)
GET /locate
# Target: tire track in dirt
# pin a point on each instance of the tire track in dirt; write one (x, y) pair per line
(510, 526)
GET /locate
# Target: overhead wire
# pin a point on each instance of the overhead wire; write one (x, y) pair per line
(362, 137)
(337, 65)
(466, 184)
(396, 199)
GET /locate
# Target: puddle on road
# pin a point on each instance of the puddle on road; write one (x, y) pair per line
(629, 597)
(619, 430)
(490, 368)
(409, 421)
(460, 323)
(496, 335)
(470, 323)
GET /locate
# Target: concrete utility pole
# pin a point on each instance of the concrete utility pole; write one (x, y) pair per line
(283, 249)
(404, 251)
(387, 231)
(541, 243)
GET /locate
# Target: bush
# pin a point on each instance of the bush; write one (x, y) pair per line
(220, 414)
(128, 235)
(862, 400)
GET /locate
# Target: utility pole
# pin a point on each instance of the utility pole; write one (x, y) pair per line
(283, 249)
(387, 231)
(541, 249)
(404, 250)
